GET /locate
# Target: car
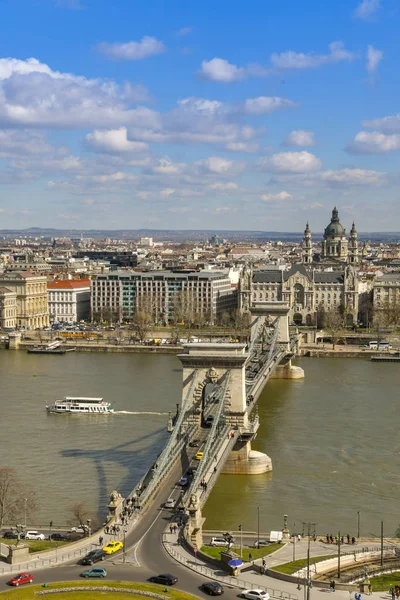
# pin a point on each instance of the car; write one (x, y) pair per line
(93, 556)
(79, 529)
(10, 535)
(59, 537)
(212, 588)
(191, 471)
(21, 578)
(220, 542)
(209, 421)
(194, 444)
(261, 543)
(95, 572)
(170, 503)
(199, 455)
(34, 535)
(113, 547)
(164, 579)
(183, 481)
(255, 594)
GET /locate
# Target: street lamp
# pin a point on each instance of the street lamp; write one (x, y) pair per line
(89, 522)
(358, 524)
(258, 527)
(25, 500)
(124, 559)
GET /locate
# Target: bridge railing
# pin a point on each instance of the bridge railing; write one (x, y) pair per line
(227, 443)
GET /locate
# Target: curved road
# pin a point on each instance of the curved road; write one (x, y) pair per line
(144, 545)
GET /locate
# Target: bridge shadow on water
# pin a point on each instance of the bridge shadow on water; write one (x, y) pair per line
(128, 456)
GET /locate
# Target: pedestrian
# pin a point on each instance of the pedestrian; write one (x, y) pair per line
(106, 529)
(333, 585)
(299, 538)
(250, 557)
(369, 588)
(171, 528)
(101, 540)
(348, 538)
(342, 540)
(353, 540)
(327, 538)
(393, 595)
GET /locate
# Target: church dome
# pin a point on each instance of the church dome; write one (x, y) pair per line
(335, 228)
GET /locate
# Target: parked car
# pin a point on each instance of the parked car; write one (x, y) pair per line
(95, 572)
(34, 535)
(165, 579)
(59, 537)
(212, 588)
(93, 556)
(113, 547)
(170, 503)
(79, 529)
(10, 535)
(21, 578)
(255, 594)
(219, 542)
(199, 455)
(261, 543)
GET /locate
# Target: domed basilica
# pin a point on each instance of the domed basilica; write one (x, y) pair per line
(335, 246)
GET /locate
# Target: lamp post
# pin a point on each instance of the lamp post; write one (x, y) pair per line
(241, 540)
(25, 500)
(51, 525)
(89, 522)
(258, 526)
(124, 559)
(358, 524)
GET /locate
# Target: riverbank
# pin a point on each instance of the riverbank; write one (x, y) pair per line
(328, 351)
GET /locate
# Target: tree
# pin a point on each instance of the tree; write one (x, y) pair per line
(334, 322)
(82, 513)
(16, 500)
(141, 323)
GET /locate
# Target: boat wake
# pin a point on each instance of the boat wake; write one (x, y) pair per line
(139, 412)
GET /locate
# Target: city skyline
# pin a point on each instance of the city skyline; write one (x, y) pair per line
(199, 117)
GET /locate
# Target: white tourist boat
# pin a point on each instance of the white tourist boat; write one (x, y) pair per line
(91, 406)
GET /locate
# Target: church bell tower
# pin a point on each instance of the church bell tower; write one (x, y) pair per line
(307, 246)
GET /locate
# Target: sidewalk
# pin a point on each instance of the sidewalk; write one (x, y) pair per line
(250, 579)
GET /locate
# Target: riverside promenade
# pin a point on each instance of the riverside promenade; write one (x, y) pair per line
(248, 579)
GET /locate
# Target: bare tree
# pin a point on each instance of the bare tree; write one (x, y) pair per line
(82, 513)
(390, 312)
(333, 323)
(141, 323)
(16, 500)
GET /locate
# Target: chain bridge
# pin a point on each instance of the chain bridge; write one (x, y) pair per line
(218, 417)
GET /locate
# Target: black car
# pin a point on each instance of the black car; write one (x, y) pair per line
(93, 556)
(212, 588)
(10, 535)
(194, 444)
(166, 579)
(59, 537)
(209, 421)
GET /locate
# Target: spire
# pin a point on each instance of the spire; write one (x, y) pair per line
(353, 231)
(335, 215)
(307, 230)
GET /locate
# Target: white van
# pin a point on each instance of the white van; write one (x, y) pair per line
(373, 345)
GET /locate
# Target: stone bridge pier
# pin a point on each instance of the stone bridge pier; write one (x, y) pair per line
(263, 313)
(211, 363)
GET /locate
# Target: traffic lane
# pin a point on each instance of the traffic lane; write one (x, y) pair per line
(188, 581)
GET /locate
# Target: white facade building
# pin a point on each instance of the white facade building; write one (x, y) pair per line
(69, 300)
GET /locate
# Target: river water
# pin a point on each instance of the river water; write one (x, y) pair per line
(333, 439)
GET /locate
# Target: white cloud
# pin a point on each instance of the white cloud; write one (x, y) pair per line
(33, 95)
(184, 31)
(300, 137)
(218, 165)
(219, 69)
(390, 124)
(291, 162)
(353, 177)
(14, 142)
(113, 141)
(266, 104)
(374, 57)
(279, 197)
(148, 46)
(299, 60)
(374, 142)
(248, 147)
(166, 192)
(165, 166)
(228, 186)
(366, 9)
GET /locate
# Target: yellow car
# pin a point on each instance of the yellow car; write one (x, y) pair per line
(199, 455)
(112, 547)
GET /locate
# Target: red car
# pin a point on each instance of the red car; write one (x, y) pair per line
(21, 578)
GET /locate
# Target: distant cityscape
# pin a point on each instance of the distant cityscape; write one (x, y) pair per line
(49, 277)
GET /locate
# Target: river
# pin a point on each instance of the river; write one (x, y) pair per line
(332, 438)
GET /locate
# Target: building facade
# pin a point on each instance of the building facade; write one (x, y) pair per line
(307, 291)
(335, 247)
(386, 296)
(31, 293)
(119, 294)
(69, 300)
(8, 308)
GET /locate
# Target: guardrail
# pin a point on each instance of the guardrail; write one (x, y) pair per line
(225, 579)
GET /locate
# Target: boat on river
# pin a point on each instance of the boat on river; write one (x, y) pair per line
(81, 406)
(52, 348)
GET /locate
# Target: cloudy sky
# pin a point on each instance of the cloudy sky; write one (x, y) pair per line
(214, 114)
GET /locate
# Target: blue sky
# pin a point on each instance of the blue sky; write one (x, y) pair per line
(219, 115)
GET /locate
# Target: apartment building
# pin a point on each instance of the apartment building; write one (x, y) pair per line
(69, 300)
(164, 294)
(8, 308)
